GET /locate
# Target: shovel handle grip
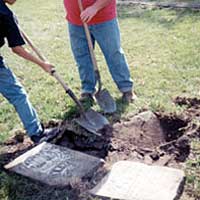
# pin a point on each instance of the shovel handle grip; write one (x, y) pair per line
(33, 47)
(89, 39)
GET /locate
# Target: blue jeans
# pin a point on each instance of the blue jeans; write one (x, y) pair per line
(107, 35)
(13, 91)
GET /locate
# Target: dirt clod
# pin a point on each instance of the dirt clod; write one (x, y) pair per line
(155, 156)
(189, 102)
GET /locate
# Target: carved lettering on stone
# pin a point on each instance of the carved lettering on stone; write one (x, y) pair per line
(54, 165)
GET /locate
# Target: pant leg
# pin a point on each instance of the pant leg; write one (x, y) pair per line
(82, 57)
(12, 90)
(108, 37)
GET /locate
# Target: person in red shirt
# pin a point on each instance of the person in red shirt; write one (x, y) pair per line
(101, 17)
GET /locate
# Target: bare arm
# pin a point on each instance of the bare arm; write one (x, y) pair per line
(99, 4)
(22, 52)
(12, 31)
(10, 1)
(92, 10)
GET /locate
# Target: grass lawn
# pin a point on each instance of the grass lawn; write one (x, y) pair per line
(162, 48)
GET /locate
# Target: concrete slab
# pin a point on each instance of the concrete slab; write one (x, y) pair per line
(136, 181)
(54, 165)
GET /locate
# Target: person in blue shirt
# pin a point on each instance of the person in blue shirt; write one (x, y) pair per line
(10, 87)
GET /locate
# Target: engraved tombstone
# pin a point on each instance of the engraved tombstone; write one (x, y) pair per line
(54, 165)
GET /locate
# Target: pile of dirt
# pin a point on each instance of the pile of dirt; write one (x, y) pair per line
(143, 130)
(153, 138)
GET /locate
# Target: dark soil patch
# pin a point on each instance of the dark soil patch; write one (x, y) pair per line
(153, 138)
(172, 125)
(189, 102)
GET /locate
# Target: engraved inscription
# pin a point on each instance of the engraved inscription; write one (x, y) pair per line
(56, 165)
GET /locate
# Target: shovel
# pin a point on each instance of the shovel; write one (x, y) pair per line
(90, 120)
(103, 97)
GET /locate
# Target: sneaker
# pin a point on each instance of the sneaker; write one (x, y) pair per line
(129, 97)
(87, 99)
(46, 136)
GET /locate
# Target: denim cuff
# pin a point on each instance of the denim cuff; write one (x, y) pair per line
(126, 89)
(88, 91)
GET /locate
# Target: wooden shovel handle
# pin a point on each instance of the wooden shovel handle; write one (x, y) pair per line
(90, 45)
(53, 72)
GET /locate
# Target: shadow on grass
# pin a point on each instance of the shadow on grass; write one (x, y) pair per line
(121, 109)
(73, 112)
(165, 17)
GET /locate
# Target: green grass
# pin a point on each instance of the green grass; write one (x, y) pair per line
(193, 173)
(162, 48)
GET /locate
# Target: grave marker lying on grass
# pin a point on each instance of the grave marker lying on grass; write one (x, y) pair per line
(136, 181)
(54, 165)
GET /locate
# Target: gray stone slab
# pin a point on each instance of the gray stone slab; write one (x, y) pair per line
(136, 181)
(54, 165)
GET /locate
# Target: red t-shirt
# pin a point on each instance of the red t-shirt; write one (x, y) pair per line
(73, 13)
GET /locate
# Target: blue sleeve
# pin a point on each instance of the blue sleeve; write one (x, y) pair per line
(12, 32)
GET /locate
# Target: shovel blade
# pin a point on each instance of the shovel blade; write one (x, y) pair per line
(105, 101)
(92, 121)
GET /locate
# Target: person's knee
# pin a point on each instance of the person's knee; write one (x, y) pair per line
(18, 98)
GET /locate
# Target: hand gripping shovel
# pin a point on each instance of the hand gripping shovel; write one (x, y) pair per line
(103, 97)
(90, 120)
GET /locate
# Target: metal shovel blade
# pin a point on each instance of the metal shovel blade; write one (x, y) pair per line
(105, 101)
(92, 121)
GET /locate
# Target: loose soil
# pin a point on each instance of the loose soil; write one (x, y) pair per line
(152, 138)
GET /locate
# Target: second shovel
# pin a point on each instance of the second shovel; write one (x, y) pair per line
(103, 97)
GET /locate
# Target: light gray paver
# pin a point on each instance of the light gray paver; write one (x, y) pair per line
(136, 181)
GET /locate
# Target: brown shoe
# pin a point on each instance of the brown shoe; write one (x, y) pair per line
(129, 97)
